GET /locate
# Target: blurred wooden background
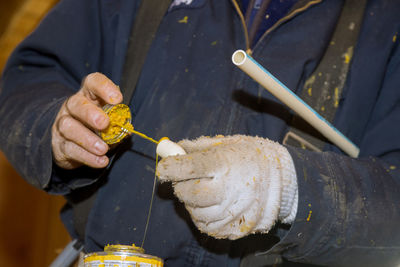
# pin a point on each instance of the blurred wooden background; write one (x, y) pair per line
(31, 232)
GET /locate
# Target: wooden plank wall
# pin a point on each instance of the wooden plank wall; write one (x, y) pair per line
(31, 233)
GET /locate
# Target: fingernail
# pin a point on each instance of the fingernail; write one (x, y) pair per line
(114, 97)
(99, 121)
(102, 160)
(100, 147)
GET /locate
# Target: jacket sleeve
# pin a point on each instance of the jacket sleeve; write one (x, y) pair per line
(349, 209)
(75, 39)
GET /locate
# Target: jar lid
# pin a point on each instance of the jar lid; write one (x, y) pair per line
(123, 248)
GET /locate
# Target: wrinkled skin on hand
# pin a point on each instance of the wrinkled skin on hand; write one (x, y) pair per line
(74, 141)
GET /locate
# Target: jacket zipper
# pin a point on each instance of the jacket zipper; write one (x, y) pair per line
(276, 25)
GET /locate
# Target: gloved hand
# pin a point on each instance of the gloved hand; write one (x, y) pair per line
(233, 186)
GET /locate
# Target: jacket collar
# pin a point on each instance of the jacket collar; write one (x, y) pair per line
(299, 7)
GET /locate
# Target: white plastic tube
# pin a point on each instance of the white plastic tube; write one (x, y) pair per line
(247, 64)
(167, 148)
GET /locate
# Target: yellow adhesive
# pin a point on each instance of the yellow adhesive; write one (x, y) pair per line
(120, 125)
(346, 59)
(246, 227)
(309, 215)
(120, 119)
(336, 104)
(184, 20)
(348, 55)
(164, 138)
(217, 144)
(309, 83)
(279, 161)
(144, 136)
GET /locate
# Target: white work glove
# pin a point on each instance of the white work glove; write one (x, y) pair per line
(233, 186)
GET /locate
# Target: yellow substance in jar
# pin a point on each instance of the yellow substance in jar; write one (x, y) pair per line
(120, 119)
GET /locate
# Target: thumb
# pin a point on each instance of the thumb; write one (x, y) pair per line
(98, 87)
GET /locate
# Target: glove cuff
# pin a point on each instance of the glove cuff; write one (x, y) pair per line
(289, 196)
(281, 192)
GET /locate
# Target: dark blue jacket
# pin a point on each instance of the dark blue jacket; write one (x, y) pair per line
(349, 209)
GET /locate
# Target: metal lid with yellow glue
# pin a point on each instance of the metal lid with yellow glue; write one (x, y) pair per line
(122, 256)
(120, 123)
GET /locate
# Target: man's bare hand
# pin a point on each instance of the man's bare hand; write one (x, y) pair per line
(74, 141)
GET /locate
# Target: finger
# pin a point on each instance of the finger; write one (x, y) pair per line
(233, 222)
(87, 112)
(215, 228)
(208, 214)
(195, 165)
(58, 156)
(97, 85)
(225, 229)
(75, 131)
(203, 192)
(75, 152)
(206, 142)
(201, 143)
